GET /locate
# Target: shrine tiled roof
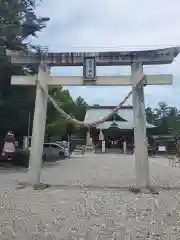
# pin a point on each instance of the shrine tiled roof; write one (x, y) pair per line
(121, 125)
(94, 113)
(125, 113)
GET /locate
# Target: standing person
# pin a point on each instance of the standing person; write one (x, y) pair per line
(9, 145)
(154, 148)
(178, 148)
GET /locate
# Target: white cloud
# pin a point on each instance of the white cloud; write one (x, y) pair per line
(114, 24)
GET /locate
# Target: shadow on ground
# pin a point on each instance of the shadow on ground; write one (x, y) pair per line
(153, 188)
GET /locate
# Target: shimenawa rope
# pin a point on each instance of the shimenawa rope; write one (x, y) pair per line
(80, 123)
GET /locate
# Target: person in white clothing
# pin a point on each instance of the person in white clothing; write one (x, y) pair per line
(9, 145)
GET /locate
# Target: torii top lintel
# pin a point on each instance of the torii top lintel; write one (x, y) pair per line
(146, 57)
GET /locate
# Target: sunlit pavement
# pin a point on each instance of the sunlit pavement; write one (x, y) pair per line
(89, 197)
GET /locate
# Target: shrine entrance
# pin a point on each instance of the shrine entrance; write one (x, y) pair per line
(89, 60)
(117, 130)
(115, 137)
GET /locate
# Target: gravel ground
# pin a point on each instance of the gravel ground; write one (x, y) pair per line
(89, 199)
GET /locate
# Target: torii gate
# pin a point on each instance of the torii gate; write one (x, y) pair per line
(89, 61)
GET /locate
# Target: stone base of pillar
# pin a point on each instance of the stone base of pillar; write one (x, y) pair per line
(89, 148)
(124, 147)
(148, 190)
(103, 147)
(40, 186)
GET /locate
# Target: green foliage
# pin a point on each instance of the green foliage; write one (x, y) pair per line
(16, 102)
(81, 106)
(167, 119)
(58, 126)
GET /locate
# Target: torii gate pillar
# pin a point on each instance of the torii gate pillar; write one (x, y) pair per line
(140, 138)
(39, 123)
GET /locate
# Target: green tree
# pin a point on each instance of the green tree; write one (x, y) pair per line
(167, 119)
(57, 125)
(162, 111)
(174, 126)
(150, 115)
(15, 26)
(81, 106)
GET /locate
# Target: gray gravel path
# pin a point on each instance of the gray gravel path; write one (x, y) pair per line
(89, 200)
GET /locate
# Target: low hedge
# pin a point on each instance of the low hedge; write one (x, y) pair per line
(21, 157)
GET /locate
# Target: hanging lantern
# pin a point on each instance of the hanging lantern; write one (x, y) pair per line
(101, 136)
(88, 139)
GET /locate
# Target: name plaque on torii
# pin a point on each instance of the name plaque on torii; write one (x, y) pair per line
(89, 68)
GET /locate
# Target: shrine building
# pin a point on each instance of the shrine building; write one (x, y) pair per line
(116, 130)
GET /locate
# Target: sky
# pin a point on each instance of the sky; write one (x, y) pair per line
(100, 25)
